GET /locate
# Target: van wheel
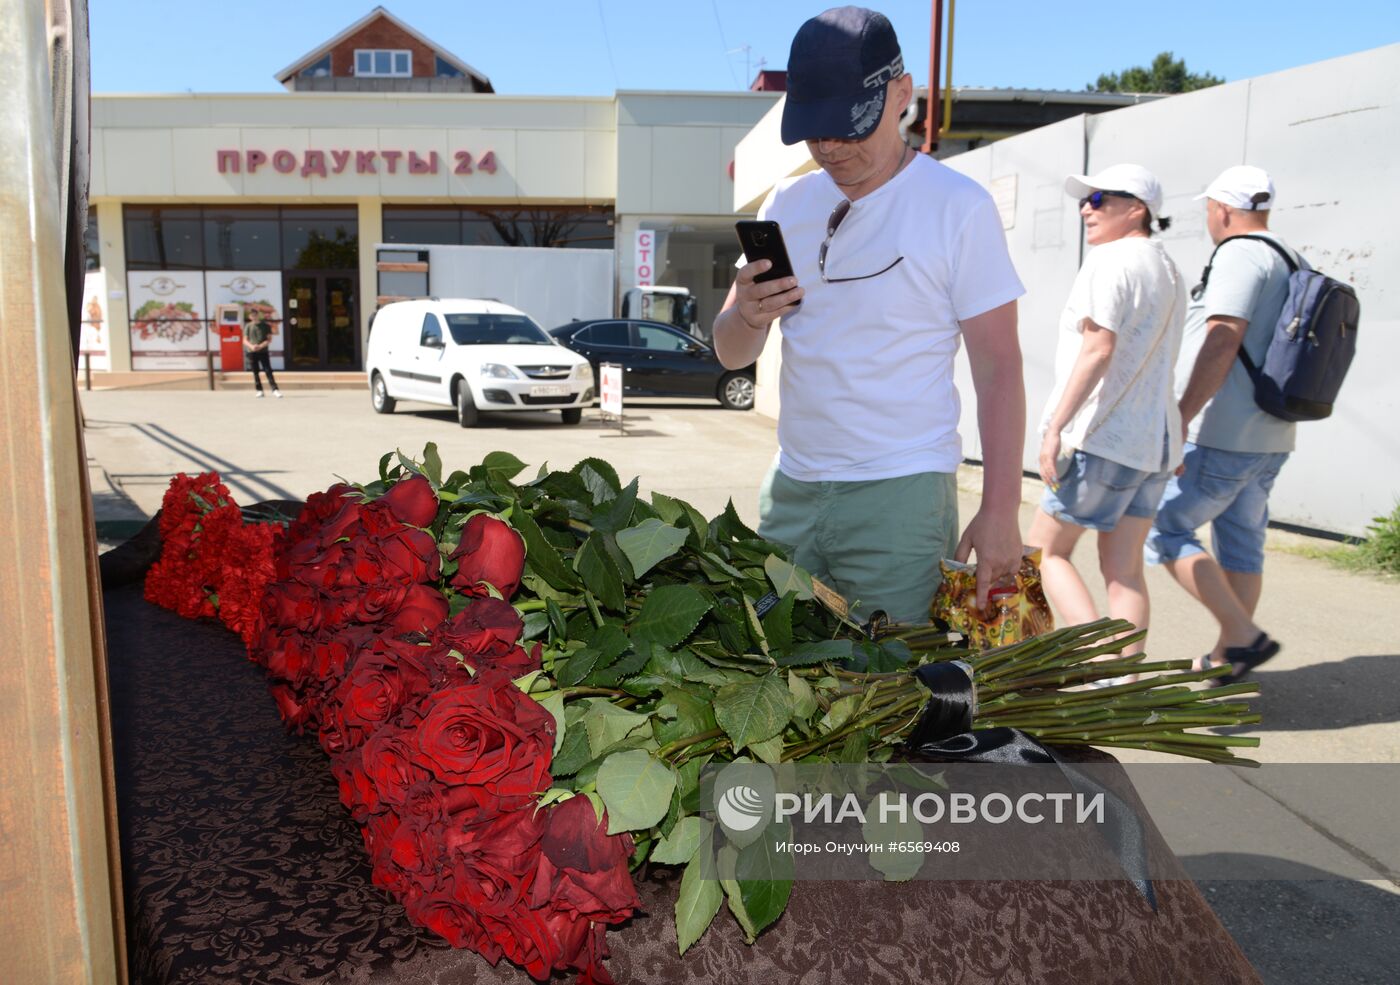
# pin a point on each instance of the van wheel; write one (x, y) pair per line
(379, 396)
(572, 415)
(736, 391)
(466, 410)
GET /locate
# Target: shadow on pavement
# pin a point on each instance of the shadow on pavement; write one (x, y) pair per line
(1360, 690)
(1311, 930)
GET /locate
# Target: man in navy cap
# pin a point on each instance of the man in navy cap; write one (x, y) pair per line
(897, 259)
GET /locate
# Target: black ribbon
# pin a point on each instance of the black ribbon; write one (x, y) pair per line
(944, 731)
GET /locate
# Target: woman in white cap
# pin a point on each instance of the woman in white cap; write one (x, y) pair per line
(1112, 432)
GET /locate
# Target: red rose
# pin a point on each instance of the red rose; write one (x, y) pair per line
(290, 605)
(382, 680)
(293, 712)
(379, 601)
(490, 551)
(422, 610)
(492, 739)
(487, 627)
(452, 920)
(409, 555)
(583, 869)
(413, 501)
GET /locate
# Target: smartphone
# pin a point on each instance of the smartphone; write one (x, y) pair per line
(763, 240)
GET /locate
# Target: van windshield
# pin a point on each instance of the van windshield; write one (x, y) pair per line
(495, 330)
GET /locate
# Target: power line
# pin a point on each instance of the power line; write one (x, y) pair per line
(724, 45)
(607, 45)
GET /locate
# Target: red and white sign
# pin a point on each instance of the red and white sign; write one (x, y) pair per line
(610, 389)
(93, 344)
(644, 258)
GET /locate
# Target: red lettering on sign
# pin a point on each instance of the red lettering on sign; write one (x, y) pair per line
(228, 161)
(391, 158)
(364, 162)
(464, 162)
(339, 158)
(644, 272)
(488, 163)
(256, 159)
(284, 161)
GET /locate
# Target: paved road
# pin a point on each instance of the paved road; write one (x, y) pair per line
(1332, 696)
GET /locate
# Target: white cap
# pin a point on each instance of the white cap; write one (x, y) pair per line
(1242, 187)
(1134, 179)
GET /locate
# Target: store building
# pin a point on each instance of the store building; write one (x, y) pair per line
(275, 202)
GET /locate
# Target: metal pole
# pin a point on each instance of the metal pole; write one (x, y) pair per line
(209, 361)
(87, 371)
(931, 107)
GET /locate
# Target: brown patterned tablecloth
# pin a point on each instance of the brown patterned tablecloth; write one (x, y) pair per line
(240, 866)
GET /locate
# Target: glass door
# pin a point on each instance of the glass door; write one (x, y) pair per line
(321, 323)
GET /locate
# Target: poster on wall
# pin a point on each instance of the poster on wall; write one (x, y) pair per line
(93, 345)
(259, 292)
(168, 326)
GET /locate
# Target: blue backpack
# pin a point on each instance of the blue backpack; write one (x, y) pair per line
(1313, 342)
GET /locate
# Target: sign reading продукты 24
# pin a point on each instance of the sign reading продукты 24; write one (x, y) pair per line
(326, 163)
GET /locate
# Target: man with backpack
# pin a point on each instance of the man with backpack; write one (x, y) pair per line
(1235, 449)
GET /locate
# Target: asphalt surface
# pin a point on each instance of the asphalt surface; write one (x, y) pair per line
(1331, 697)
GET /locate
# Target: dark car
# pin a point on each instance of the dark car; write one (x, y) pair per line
(661, 361)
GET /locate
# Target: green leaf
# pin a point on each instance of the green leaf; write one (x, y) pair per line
(599, 574)
(804, 700)
(670, 614)
(753, 712)
(432, 464)
(839, 713)
(755, 627)
(541, 556)
(556, 619)
(636, 787)
(599, 477)
(694, 713)
(666, 507)
(777, 624)
(728, 526)
(825, 651)
(612, 674)
(700, 529)
(554, 704)
(616, 513)
(536, 623)
(502, 465)
(409, 465)
(685, 838)
(767, 883)
(384, 461)
(788, 578)
(769, 750)
(697, 902)
(881, 830)
(578, 666)
(573, 753)
(607, 724)
(649, 543)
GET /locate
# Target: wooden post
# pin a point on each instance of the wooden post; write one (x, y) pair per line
(60, 897)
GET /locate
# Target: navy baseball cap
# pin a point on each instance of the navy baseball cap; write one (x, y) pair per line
(838, 68)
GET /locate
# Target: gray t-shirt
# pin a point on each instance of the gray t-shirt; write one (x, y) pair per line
(1249, 280)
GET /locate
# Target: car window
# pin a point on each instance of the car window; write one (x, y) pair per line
(606, 333)
(661, 339)
(431, 336)
(487, 329)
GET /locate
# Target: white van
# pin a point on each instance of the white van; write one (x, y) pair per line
(475, 356)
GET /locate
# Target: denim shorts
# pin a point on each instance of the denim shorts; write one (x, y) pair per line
(1096, 493)
(1230, 491)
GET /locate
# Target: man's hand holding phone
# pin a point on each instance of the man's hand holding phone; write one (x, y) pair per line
(760, 302)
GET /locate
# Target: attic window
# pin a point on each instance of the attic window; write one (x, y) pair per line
(319, 69)
(383, 63)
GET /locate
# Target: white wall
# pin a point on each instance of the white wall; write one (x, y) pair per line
(1328, 133)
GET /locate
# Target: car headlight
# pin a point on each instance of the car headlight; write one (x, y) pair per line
(583, 371)
(499, 371)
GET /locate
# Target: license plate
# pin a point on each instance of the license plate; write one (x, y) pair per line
(549, 391)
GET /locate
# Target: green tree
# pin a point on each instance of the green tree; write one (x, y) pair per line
(1167, 74)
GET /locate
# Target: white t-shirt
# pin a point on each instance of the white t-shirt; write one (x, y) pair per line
(1132, 288)
(867, 377)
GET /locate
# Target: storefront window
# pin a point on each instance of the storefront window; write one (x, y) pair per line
(431, 227)
(320, 239)
(241, 239)
(163, 238)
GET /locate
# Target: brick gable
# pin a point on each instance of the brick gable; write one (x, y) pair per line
(382, 33)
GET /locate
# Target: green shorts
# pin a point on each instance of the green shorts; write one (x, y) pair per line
(877, 542)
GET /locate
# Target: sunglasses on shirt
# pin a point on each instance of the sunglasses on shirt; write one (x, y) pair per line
(833, 223)
(1095, 199)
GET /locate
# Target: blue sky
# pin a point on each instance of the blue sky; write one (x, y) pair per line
(592, 47)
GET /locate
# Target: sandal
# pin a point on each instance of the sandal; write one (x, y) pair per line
(1244, 659)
